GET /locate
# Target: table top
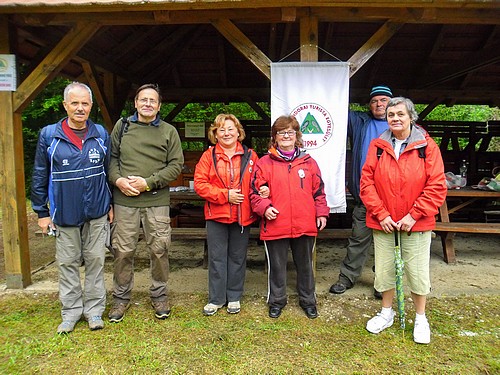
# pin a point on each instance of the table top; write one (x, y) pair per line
(467, 191)
(184, 195)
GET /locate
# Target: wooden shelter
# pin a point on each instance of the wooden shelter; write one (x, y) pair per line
(438, 52)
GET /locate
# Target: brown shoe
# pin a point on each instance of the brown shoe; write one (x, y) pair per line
(162, 309)
(117, 312)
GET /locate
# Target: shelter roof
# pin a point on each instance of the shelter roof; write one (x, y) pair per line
(439, 52)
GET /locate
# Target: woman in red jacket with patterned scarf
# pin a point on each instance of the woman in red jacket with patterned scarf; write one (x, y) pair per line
(291, 215)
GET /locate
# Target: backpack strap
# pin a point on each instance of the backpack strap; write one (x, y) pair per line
(123, 128)
(421, 152)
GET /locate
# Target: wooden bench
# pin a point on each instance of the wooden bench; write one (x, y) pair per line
(447, 230)
(201, 234)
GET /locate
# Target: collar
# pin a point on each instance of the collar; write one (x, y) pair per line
(135, 118)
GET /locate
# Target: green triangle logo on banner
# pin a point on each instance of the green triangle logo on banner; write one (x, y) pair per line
(310, 125)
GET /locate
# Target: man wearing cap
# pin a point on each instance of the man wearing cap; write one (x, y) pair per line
(362, 127)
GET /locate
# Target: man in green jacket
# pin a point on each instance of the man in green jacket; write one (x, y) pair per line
(146, 155)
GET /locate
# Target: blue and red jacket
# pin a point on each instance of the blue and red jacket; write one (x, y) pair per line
(69, 184)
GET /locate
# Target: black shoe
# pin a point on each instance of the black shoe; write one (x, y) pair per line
(377, 294)
(274, 312)
(311, 312)
(341, 286)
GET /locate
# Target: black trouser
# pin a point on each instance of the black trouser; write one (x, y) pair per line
(227, 255)
(277, 255)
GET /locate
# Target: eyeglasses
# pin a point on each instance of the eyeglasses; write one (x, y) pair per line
(146, 101)
(289, 133)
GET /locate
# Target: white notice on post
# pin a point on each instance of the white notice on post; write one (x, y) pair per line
(195, 129)
(7, 73)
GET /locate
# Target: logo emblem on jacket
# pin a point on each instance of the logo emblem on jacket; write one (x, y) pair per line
(94, 156)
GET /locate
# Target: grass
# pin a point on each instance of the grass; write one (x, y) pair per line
(465, 339)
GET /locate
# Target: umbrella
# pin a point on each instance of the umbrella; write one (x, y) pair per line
(399, 265)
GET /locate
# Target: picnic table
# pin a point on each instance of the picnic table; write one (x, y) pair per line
(447, 229)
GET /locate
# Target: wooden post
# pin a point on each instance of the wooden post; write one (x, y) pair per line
(309, 39)
(12, 188)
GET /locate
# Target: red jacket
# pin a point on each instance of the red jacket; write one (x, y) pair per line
(213, 179)
(413, 184)
(296, 191)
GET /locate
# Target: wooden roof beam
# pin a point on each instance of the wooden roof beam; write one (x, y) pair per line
(487, 43)
(428, 12)
(428, 109)
(52, 64)
(178, 108)
(474, 61)
(92, 79)
(244, 45)
(376, 42)
(179, 53)
(257, 108)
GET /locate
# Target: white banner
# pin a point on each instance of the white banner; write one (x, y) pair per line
(317, 94)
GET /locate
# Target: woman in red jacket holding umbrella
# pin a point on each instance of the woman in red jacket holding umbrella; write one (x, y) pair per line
(402, 187)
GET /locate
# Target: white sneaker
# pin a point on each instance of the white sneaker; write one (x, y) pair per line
(422, 331)
(233, 307)
(211, 309)
(380, 322)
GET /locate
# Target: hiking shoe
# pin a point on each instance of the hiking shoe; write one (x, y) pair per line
(162, 309)
(233, 307)
(211, 309)
(380, 322)
(95, 323)
(422, 331)
(341, 285)
(118, 311)
(66, 326)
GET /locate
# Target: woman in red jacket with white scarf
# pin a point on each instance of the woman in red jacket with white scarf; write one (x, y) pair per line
(222, 178)
(402, 187)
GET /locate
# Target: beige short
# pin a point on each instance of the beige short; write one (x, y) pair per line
(415, 250)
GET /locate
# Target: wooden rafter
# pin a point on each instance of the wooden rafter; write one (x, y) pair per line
(92, 79)
(244, 45)
(362, 55)
(468, 64)
(52, 64)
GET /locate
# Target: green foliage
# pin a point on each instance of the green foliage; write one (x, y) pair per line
(208, 111)
(47, 107)
(461, 113)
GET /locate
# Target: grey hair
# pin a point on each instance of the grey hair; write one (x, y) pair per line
(410, 107)
(74, 85)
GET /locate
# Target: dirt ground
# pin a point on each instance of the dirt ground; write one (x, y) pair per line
(477, 269)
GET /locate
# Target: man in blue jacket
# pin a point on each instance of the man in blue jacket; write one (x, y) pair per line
(71, 196)
(362, 127)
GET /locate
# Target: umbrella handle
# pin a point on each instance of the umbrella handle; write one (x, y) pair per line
(396, 238)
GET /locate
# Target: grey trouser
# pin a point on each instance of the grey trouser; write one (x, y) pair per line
(358, 247)
(157, 232)
(74, 245)
(227, 257)
(277, 257)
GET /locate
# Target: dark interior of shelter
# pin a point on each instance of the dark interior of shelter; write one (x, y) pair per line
(435, 56)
